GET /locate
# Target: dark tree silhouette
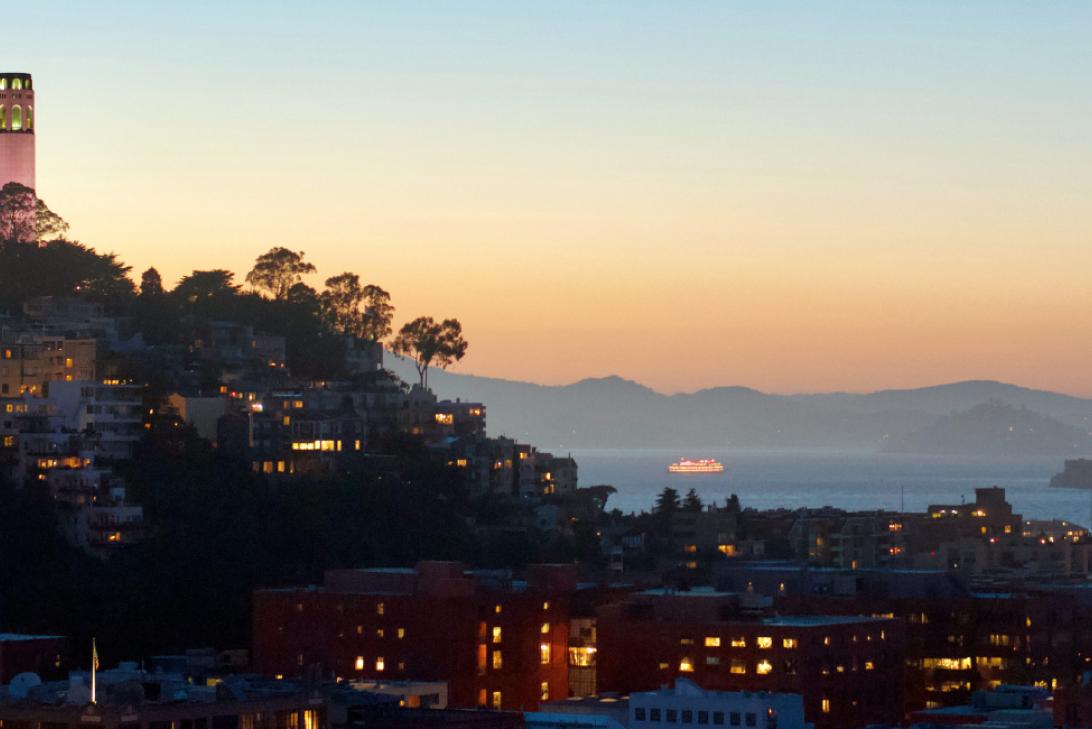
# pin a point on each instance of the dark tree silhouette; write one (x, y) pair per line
(430, 343)
(24, 218)
(692, 502)
(277, 271)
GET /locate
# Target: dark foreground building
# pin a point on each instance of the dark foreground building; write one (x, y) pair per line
(498, 643)
(847, 668)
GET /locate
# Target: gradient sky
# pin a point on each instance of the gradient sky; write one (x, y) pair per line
(792, 196)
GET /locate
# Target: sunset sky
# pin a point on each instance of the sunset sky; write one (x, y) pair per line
(792, 196)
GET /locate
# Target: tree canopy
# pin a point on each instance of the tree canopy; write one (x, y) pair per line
(24, 218)
(430, 343)
(278, 270)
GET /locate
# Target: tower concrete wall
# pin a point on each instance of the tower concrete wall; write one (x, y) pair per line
(17, 124)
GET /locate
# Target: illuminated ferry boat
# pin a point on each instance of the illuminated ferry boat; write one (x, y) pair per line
(706, 465)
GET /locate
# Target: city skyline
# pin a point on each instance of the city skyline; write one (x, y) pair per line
(854, 198)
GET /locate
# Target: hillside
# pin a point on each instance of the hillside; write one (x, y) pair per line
(591, 413)
(995, 429)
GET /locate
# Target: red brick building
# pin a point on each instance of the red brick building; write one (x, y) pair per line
(848, 669)
(498, 643)
(45, 655)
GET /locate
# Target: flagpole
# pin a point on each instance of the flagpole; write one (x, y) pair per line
(94, 666)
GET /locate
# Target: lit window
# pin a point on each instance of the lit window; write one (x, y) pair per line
(763, 667)
(380, 608)
(497, 700)
(825, 705)
(546, 605)
(498, 661)
(686, 665)
(712, 641)
(360, 663)
(380, 664)
(497, 609)
(401, 633)
(496, 634)
(869, 665)
(764, 641)
(739, 642)
(544, 653)
(738, 666)
(545, 629)
(379, 633)
(826, 639)
(545, 691)
(789, 643)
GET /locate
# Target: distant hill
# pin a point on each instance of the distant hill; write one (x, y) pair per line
(612, 412)
(995, 429)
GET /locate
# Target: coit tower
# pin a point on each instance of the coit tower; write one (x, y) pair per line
(17, 129)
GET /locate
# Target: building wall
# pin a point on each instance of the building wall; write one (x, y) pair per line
(44, 655)
(434, 632)
(16, 147)
(849, 674)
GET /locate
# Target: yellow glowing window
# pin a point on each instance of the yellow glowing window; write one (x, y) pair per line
(280, 466)
(379, 633)
(544, 629)
(869, 665)
(826, 640)
(496, 634)
(498, 660)
(712, 641)
(356, 445)
(68, 363)
(360, 630)
(544, 654)
(380, 608)
(690, 548)
(286, 420)
(581, 656)
(546, 605)
(738, 666)
(825, 706)
(360, 663)
(298, 404)
(380, 664)
(739, 642)
(764, 641)
(544, 691)
(445, 418)
(728, 550)
(401, 633)
(789, 643)
(497, 609)
(497, 700)
(686, 665)
(763, 667)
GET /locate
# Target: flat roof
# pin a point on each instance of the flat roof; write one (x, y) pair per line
(13, 637)
(804, 621)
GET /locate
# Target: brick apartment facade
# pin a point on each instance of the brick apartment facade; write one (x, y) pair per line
(848, 669)
(497, 643)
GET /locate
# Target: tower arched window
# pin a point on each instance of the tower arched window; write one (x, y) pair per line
(30, 118)
(17, 84)
(16, 118)
(3, 83)
(3, 118)
(26, 85)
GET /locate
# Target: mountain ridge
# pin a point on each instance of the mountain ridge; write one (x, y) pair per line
(616, 412)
